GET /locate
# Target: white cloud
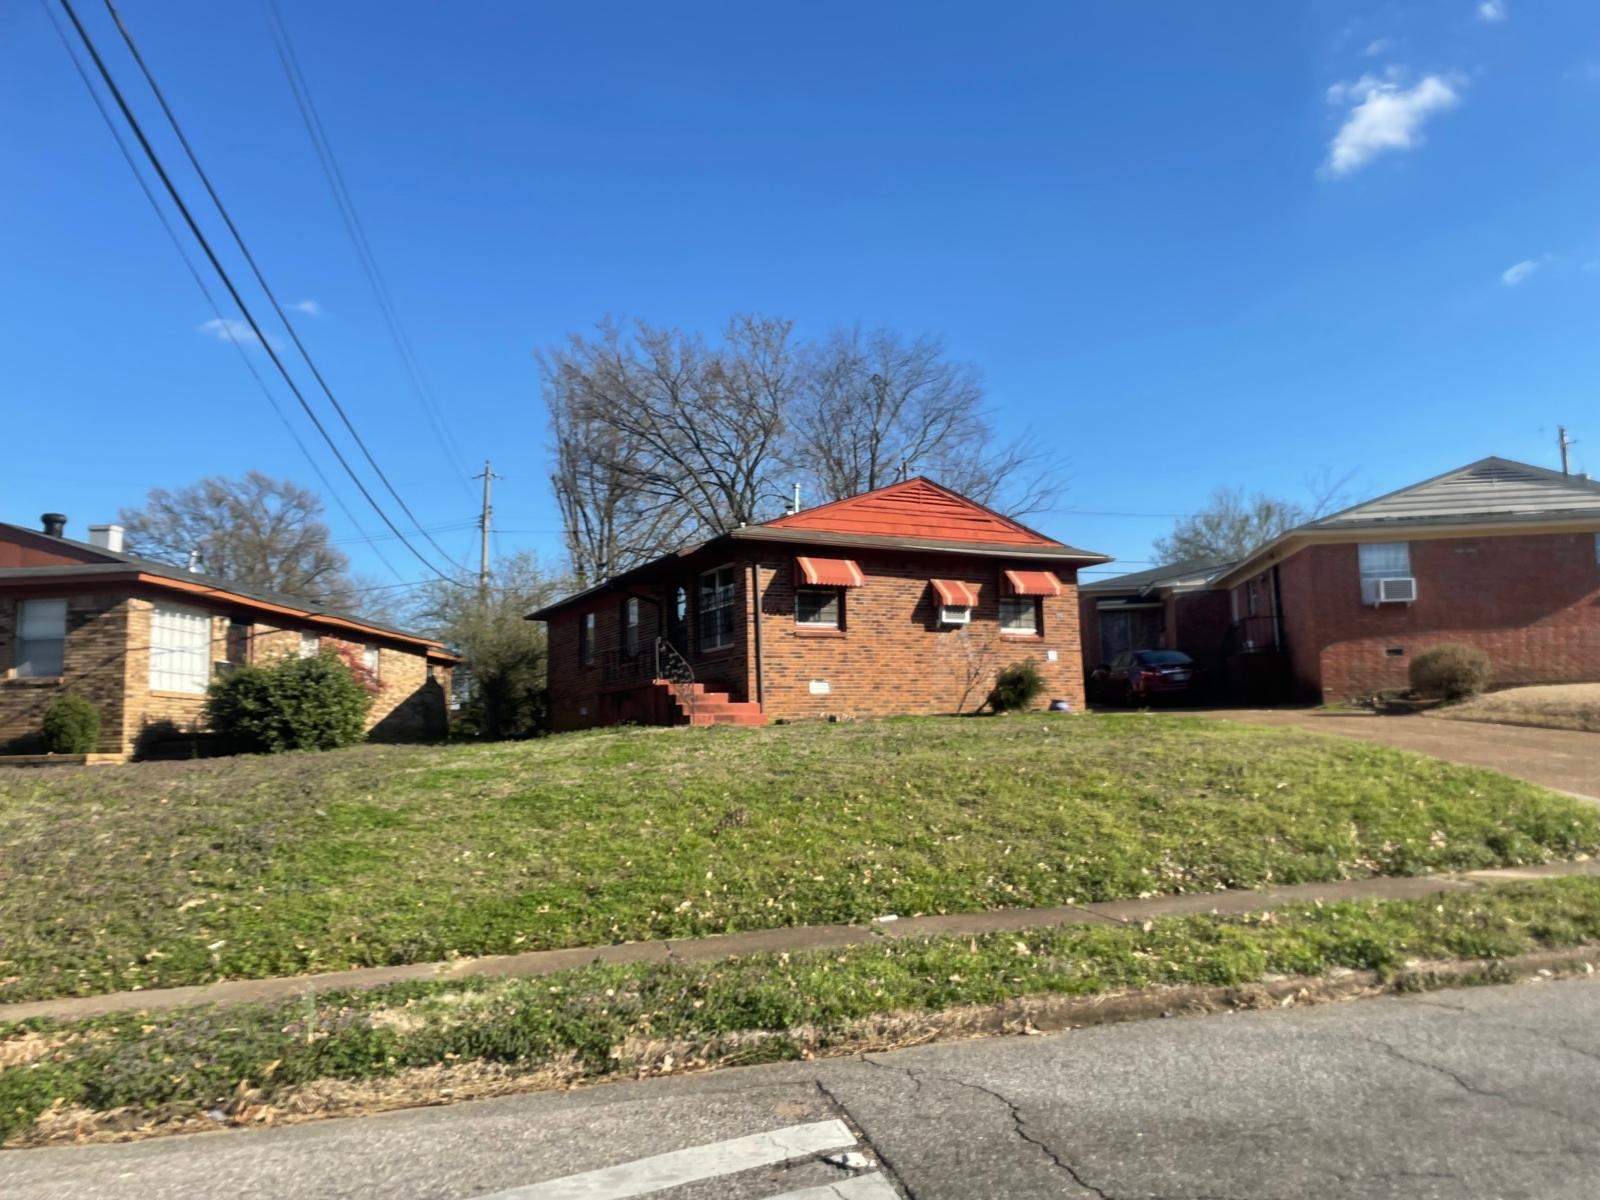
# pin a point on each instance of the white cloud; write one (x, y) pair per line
(310, 307)
(1384, 116)
(1517, 272)
(1379, 46)
(1492, 10)
(229, 329)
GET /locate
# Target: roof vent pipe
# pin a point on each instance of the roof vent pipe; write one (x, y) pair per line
(55, 524)
(196, 562)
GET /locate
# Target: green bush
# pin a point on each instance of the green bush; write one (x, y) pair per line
(71, 725)
(313, 703)
(1452, 670)
(1016, 686)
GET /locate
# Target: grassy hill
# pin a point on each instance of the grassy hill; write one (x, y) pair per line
(163, 874)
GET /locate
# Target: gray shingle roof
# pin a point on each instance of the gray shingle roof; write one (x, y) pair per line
(1490, 487)
(1193, 572)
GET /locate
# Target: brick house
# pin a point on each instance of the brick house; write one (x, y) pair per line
(1496, 554)
(1167, 608)
(901, 600)
(142, 640)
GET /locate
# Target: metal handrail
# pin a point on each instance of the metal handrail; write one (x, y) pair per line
(672, 666)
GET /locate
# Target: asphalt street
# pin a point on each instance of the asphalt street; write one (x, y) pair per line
(1489, 1092)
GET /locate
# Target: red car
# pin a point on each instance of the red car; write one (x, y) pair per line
(1140, 677)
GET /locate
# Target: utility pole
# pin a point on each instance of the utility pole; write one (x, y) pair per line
(1565, 443)
(483, 525)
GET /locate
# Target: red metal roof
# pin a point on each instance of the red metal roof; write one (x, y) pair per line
(830, 572)
(955, 593)
(1034, 583)
(916, 508)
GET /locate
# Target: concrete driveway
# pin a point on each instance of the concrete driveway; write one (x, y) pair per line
(1563, 759)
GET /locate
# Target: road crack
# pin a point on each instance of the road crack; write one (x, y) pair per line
(1471, 1088)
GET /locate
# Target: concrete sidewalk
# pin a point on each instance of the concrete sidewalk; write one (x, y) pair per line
(793, 939)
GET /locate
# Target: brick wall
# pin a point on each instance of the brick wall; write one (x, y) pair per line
(92, 667)
(107, 659)
(891, 658)
(1530, 602)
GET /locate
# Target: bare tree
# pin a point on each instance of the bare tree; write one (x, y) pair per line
(256, 531)
(877, 407)
(661, 438)
(1234, 523)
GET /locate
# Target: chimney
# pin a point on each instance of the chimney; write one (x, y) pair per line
(107, 537)
(196, 562)
(55, 524)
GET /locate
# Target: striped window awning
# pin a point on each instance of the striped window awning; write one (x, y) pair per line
(955, 594)
(1033, 583)
(829, 572)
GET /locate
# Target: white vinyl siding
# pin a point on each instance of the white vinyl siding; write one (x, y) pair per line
(41, 638)
(1382, 560)
(180, 649)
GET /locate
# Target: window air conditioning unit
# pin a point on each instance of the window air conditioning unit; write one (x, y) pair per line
(955, 614)
(1402, 590)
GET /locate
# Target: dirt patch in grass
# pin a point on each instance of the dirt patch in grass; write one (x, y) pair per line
(160, 875)
(1553, 706)
(321, 1055)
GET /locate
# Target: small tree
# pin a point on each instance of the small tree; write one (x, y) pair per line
(1452, 670)
(313, 703)
(1016, 686)
(71, 725)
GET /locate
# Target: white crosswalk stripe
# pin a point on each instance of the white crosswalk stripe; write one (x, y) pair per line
(861, 1187)
(679, 1167)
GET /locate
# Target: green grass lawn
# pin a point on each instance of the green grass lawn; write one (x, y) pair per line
(165, 1068)
(169, 874)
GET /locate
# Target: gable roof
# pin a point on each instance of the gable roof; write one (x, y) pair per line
(1490, 487)
(914, 514)
(1196, 572)
(914, 508)
(71, 561)
(1490, 494)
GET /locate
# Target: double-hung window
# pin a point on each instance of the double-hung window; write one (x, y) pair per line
(310, 645)
(586, 639)
(180, 649)
(719, 592)
(370, 658)
(1382, 560)
(1019, 614)
(630, 626)
(819, 607)
(41, 638)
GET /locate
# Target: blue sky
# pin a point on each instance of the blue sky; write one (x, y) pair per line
(1188, 245)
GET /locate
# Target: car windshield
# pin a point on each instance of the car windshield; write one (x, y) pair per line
(1163, 658)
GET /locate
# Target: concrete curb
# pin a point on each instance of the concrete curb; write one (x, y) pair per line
(792, 939)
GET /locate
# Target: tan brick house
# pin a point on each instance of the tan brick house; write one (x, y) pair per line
(902, 600)
(1497, 554)
(142, 640)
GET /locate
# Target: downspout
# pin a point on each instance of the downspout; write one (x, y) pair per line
(1277, 609)
(755, 604)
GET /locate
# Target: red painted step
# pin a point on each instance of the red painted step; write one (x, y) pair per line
(697, 706)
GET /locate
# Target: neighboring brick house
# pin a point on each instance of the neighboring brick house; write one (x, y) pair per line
(1166, 608)
(1497, 554)
(903, 600)
(142, 640)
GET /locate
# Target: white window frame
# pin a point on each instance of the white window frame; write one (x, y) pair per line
(180, 649)
(723, 597)
(955, 614)
(588, 626)
(1032, 626)
(1382, 560)
(838, 610)
(310, 644)
(48, 615)
(371, 658)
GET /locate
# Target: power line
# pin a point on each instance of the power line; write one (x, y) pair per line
(358, 236)
(227, 281)
(194, 273)
(261, 280)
